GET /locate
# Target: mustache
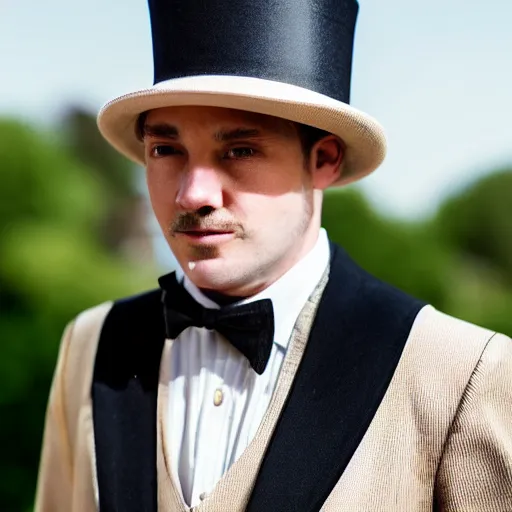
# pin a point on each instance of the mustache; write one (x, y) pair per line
(215, 221)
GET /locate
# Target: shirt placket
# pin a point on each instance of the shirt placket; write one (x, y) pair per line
(213, 438)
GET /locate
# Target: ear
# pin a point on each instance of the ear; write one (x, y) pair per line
(325, 161)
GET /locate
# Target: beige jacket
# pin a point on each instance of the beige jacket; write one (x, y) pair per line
(440, 440)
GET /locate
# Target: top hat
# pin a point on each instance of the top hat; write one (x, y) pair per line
(286, 58)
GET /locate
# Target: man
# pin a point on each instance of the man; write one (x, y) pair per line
(269, 372)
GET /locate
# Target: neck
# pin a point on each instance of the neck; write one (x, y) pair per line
(220, 298)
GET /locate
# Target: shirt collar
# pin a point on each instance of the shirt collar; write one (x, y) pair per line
(288, 294)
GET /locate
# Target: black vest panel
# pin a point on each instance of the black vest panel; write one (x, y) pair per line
(124, 397)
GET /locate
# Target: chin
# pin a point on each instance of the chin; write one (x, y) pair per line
(213, 274)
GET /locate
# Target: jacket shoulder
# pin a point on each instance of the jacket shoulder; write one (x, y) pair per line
(447, 333)
(430, 328)
(441, 356)
(439, 349)
(459, 347)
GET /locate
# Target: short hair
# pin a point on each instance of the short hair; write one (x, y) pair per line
(308, 135)
(139, 125)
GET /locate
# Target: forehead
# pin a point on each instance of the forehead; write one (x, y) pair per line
(217, 117)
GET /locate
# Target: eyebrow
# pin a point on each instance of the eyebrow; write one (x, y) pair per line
(236, 134)
(168, 131)
(163, 130)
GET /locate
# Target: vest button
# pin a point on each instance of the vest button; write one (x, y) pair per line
(218, 397)
(202, 496)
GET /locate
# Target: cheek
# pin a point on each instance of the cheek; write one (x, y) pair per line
(162, 195)
(271, 213)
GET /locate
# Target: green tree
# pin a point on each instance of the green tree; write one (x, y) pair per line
(407, 255)
(460, 261)
(476, 224)
(53, 264)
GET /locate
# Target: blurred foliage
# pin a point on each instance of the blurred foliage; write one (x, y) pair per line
(410, 256)
(57, 257)
(70, 211)
(460, 261)
(479, 222)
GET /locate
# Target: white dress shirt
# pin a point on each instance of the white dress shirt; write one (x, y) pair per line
(216, 399)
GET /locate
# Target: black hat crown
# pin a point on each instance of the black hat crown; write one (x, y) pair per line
(308, 43)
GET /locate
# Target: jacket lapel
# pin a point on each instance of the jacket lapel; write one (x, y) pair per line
(356, 341)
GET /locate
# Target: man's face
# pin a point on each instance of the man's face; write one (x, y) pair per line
(233, 194)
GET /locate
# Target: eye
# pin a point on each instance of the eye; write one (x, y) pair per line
(161, 150)
(239, 153)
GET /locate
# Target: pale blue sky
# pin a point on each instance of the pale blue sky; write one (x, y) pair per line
(437, 74)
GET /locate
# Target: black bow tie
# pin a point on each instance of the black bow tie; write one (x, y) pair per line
(248, 327)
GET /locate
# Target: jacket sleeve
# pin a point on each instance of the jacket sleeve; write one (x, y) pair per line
(475, 472)
(54, 488)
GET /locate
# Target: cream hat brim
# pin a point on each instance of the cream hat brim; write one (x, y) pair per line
(363, 136)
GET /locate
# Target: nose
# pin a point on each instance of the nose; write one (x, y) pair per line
(200, 186)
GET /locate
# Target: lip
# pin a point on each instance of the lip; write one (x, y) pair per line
(206, 237)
